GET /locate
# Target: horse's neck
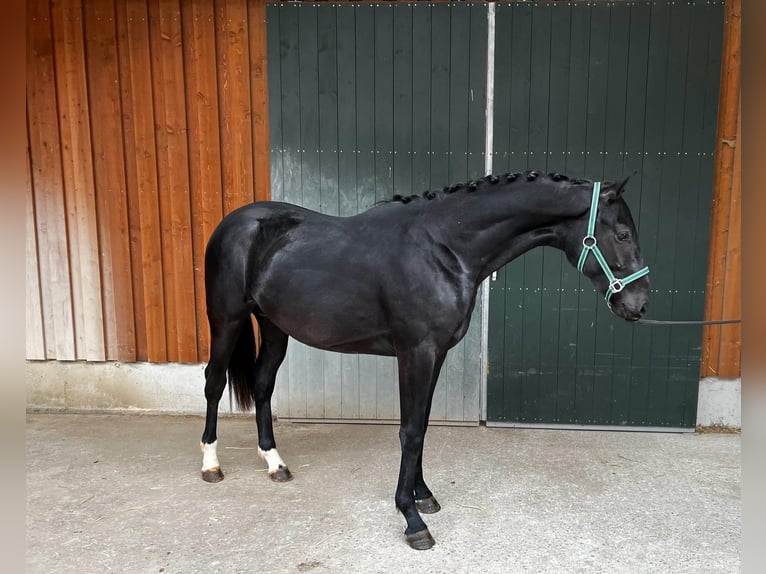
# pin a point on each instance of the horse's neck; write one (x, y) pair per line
(491, 228)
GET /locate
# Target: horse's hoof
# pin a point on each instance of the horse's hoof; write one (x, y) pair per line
(212, 474)
(282, 474)
(420, 540)
(428, 505)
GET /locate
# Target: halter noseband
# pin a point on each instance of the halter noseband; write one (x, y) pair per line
(589, 245)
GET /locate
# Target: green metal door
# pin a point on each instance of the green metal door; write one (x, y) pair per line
(599, 90)
(367, 101)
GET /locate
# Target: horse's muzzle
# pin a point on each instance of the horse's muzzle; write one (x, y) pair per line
(630, 306)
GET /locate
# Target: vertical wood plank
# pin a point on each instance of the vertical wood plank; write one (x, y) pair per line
(172, 164)
(365, 168)
(654, 215)
(669, 397)
(402, 126)
(554, 376)
(614, 405)
(639, 35)
(79, 191)
(476, 138)
(403, 100)
(382, 42)
(281, 396)
(421, 97)
(309, 130)
(35, 330)
(590, 306)
(109, 179)
(516, 59)
(274, 95)
(569, 100)
(533, 325)
(295, 362)
(308, 110)
(259, 90)
(441, 29)
(728, 102)
(496, 360)
(204, 146)
(731, 335)
(457, 170)
(327, 55)
(438, 148)
(141, 174)
(347, 181)
(47, 185)
(235, 104)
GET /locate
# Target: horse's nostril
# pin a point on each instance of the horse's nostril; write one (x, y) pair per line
(643, 308)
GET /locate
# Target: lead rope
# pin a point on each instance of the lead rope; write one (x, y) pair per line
(590, 245)
(713, 322)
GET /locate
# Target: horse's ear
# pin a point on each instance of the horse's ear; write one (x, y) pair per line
(612, 190)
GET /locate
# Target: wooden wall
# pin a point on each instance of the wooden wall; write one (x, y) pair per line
(147, 121)
(721, 344)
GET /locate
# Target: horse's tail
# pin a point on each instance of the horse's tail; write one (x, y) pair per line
(242, 368)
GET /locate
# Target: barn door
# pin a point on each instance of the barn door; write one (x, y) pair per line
(600, 90)
(366, 101)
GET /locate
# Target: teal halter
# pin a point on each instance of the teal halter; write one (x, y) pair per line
(589, 245)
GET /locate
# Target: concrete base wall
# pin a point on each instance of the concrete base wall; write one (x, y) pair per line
(176, 388)
(150, 387)
(720, 403)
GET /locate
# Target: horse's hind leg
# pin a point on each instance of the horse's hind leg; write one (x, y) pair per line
(270, 357)
(222, 343)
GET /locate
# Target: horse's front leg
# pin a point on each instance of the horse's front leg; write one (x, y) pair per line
(425, 501)
(416, 371)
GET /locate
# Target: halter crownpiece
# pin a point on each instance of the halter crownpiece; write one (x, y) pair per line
(589, 244)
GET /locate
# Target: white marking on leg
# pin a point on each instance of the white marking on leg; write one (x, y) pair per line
(209, 456)
(272, 458)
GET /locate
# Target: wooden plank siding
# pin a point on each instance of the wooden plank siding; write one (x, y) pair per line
(79, 189)
(48, 185)
(35, 331)
(147, 121)
(109, 179)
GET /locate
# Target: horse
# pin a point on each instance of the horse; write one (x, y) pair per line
(399, 279)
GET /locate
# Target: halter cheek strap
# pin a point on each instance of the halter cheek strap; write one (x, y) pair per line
(590, 245)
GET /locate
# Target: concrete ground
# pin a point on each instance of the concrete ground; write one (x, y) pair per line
(122, 493)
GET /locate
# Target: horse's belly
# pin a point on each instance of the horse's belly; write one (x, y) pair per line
(343, 334)
(371, 346)
(334, 314)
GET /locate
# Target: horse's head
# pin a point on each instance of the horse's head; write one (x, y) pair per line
(613, 262)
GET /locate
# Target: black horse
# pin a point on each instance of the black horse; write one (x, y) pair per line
(398, 280)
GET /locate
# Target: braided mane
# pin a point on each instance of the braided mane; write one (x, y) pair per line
(488, 182)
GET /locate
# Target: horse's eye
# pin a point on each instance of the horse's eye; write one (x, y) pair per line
(623, 235)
